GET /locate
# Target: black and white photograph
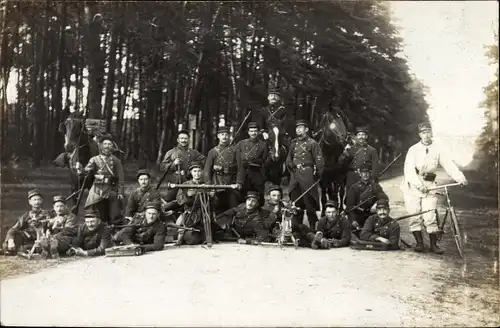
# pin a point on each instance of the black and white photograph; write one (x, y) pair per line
(326, 163)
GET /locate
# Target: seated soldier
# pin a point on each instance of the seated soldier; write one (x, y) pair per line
(30, 227)
(381, 228)
(332, 230)
(91, 239)
(362, 195)
(272, 209)
(141, 196)
(193, 214)
(245, 220)
(146, 230)
(63, 218)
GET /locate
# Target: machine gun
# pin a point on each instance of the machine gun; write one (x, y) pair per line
(285, 226)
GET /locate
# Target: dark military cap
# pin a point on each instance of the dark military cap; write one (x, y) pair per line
(365, 167)
(223, 129)
(34, 192)
(332, 203)
(143, 172)
(274, 187)
(90, 213)
(273, 91)
(183, 131)
(302, 122)
(252, 194)
(59, 198)
(383, 203)
(155, 205)
(105, 136)
(252, 125)
(424, 126)
(195, 165)
(362, 129)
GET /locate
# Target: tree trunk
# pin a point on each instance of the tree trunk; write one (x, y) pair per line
(110, 81)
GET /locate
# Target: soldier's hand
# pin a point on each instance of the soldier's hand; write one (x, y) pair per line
(217, 167)
(80, 252)
(241, 241)
(423, 189)
(120, 197)
(383, 240)
(177, 161)
(239, 186)
(265, 135)
(11, 245)
(463, 182)
(191, 193)
(211, 193)
(347, 148)
(355, 225)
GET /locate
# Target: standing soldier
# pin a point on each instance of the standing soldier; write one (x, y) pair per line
(177, 161)
(106, 193)
(222, 168)
(252, 155)
(359, 154)
(305, 161)
(364, 193)
(141, 196)
(421, 161)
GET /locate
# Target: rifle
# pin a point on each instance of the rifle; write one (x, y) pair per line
(201, 186)
(388, 166)
(414, 214)
(305, 192)
(169, 225)
(239, 129)
(357, 206)
(79, 199)
(163, 176)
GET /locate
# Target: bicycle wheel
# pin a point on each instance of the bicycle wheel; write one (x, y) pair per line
(456, 232)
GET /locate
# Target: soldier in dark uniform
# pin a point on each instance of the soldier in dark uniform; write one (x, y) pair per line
(332, 230)
(381, 227)
(24, 233)
(246, 219)
(193, 215)
(305, 162)
(366, 190)
(92, 238)
(272, 115)
(146, 230)
(357, 155)
(141, 196)
(62, 218)
(221, 167)
(106, 193)
(252, 155)
(272, 209)
(177, 161)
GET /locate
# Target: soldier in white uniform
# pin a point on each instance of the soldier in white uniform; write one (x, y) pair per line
(421, 162)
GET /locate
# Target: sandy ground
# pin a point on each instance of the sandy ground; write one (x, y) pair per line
(237, 285)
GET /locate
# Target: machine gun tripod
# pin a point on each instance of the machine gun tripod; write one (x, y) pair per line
(285, 226)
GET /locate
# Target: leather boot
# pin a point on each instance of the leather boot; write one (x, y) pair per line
(434, 247)
(420, 241)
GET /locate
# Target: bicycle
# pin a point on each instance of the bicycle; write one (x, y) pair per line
(454, 221)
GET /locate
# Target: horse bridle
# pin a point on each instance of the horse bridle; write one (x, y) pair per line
(325, 126)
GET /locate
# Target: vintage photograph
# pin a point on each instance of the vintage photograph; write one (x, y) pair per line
(324, 163)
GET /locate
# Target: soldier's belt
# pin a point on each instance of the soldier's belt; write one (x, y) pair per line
(105, 181)
(427, 176)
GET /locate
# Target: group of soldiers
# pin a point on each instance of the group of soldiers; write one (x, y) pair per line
(249, 209)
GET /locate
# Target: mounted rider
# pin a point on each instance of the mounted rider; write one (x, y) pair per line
(305, 162)
(106, 193)
(359, 154)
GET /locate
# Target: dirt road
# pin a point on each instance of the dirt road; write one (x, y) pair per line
(234, 285)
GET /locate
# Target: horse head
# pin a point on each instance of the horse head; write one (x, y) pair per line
(333, 129)
(73, 127)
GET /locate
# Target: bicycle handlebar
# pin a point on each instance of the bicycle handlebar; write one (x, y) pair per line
(444, 186)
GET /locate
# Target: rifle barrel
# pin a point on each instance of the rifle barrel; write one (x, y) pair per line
(443, 186)
(200, 186)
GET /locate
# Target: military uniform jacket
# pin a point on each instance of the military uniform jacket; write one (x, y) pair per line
(150, 236)
(376, 227)
(339, 228)
(252, 153)
(271, 214)
(26, 223)
(187, 157)
(230, 170)
(58, 223)
(139, 198)
(360, 192)
(304, 155)
(358, 155)
(271, 115)
(240, 217)
(94, 242)
(108, 178)
(192, 206)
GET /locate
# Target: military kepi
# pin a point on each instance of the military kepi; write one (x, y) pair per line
(365, 167)
(362, 129)
(301, 122)
(332, 203)
(194, 165)
(105, 136)
(143, 172)
(90, 213)
(424, 126)
(274, 187)
(183, 131)
(34, 192)
(155, 205)
(59, 198)
(223, 129)
(383, 203)
(253, 125)
(252, 194)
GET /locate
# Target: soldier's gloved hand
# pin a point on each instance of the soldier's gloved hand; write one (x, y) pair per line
(265, 135)
(177, 161)
(355, 225)
(191, 193)
(463, 182)
(11, 245)
(383, 240)
(347, 148)
(423, 189)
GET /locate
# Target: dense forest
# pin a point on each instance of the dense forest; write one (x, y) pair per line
(149, 67)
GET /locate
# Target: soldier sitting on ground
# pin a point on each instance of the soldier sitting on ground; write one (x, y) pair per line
(146, 230)
(272, 209)
(29, 227)
(365, 193)
(333, 230)
(63, 218)
(141, 196)
(246, 219)
(92, 238)
(381, 229)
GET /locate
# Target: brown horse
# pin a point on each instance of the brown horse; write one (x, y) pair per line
(333, 137)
